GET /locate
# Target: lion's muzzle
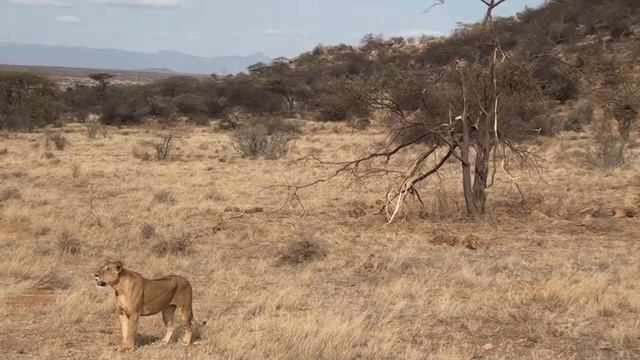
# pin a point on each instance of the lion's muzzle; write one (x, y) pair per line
(99, 282)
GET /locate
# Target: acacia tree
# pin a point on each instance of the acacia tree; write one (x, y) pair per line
(466, 111)
(27, 101)
(280, 79)
(104, 79)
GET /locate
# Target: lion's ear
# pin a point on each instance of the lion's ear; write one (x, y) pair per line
(118, 266)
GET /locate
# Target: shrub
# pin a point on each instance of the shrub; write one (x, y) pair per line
(190, 104)
(301, 252)
(162, 106)
(200, 120)
(332, 109)
(140, 153)
(147, 231)
(176, 245)
(608, 150)
(275, 125)
(27, 101)
(162, 146)
(255, 141)
(125, 105)
(623, 104)
(67, 244)
(164, 197)
(82, 100)
(340, 107)
(578, 118)
(58, 140)
(93, 128)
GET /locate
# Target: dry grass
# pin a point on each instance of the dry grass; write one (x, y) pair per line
(552, 282)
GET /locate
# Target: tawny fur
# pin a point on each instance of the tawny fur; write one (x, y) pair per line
(137, 296)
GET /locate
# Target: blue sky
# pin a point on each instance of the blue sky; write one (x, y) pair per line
(229, 27)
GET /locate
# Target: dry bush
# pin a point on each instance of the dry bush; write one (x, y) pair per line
(174, 246)
(164, 197)
(278, 126)
(51, 281)
(214, 195)
(580, 116)
(608, 151)
(300, 252)
(55, 138)
(256, 141)
(94, 128)
(147, 231)
(162, 146)
(10, 193)
(471, 242)
(140, 153)
(68, 244)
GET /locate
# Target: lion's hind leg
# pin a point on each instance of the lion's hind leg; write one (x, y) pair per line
(167, 318)
(186, 318)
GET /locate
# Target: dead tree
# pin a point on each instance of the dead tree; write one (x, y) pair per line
(457, 118)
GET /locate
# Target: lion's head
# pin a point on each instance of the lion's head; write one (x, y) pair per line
(108, 273)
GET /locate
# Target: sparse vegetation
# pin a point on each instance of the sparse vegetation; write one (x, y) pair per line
(164, 197)
(256, 141)
(162, 146)
(27, 101)
(177, 245)
(56, 138)
(548, 271)
(68, 244)
(609, 149)
(147, 231)
(94, 128)
(300, 252)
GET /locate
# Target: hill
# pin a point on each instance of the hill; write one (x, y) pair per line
(84, 57)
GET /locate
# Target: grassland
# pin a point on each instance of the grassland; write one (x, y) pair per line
(555, 277)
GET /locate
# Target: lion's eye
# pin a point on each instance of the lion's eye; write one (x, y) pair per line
(108, 269)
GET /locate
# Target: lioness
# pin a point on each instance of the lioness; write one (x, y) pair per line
(137, 296)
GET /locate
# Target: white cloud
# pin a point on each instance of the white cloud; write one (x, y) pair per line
(144, 3)
(56, 3)
(67, 19)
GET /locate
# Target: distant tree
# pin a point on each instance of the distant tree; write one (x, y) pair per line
(104, 79)
(176, 85)
(27, 101)
(290, 88)
(82, 100)
(125, 105)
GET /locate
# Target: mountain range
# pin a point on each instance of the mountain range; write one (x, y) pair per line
(85, 57)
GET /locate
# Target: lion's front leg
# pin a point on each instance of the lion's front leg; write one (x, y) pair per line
(129, 325)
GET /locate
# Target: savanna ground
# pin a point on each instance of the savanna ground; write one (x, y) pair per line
(549, 281)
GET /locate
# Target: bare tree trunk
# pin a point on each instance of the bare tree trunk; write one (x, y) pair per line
(480, 180)
(465, 149)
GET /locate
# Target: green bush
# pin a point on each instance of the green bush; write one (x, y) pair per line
(28, 101)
